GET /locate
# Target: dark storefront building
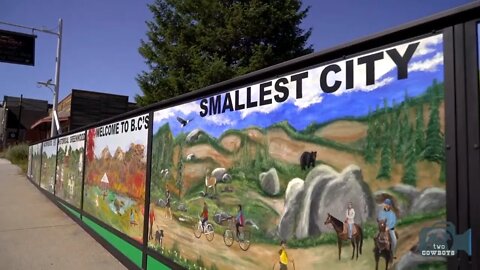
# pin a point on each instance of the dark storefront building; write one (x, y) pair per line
(17, 115)
(81, 108)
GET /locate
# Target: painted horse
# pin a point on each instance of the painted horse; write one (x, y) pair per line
(357, 235)
(382, 243)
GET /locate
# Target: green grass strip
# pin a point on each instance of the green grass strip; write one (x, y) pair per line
(74, 212)
(130, 251)
(153, 264)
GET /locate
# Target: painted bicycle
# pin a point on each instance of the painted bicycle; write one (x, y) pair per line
(198, 230)
(230, 235)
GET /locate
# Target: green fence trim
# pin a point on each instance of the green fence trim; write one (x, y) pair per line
(130, 251)
(133, 253)
(153, 264)
(74, 212)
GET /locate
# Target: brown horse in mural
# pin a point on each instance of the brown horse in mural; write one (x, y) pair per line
(357, 235)
(382, 244)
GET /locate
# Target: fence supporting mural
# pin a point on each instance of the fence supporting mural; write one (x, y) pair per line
(293, 164)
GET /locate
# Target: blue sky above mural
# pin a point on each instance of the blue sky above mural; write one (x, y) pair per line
(122, 139)
(50, 150)
(425, 66)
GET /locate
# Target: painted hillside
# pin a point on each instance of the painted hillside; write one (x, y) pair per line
(393, 144)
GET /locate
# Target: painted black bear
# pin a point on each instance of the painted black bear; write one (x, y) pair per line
(308, 159)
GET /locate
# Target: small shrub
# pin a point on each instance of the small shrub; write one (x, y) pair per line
(18, 154)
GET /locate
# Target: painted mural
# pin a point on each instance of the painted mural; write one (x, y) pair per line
(70, 158)
(36, 162)
(115, 174)
(49, 160)
(29, 163)
(275, 171)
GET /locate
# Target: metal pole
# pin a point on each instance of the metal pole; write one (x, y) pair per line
(19, 118)
(57, 77)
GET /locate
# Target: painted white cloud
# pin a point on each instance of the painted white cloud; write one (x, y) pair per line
(382, 67)
(122, 140)
(378, 84)
(312, 93)
(426, 46)
(219, 120)
(185, 109)
(429, 65)
(255, 90)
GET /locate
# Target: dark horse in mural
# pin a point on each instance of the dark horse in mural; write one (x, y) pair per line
(342, 235)
(382, 244)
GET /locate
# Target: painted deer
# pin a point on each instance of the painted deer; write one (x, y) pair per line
(210, 181)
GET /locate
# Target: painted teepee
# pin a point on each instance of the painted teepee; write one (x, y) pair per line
(105, 181)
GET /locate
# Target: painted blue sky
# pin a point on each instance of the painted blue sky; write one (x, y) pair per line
(75, 145)
(51, 149)
(36, 149)
(101, 38)
(316, 106)
(122, 140)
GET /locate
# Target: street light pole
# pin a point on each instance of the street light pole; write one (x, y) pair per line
(53, 130)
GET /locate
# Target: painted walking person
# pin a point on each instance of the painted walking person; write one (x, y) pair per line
(168, 212)
(239, 220)
(204, 216)
(283, 257)
(151, 218)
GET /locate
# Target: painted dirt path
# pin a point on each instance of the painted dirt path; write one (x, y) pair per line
(264, 256)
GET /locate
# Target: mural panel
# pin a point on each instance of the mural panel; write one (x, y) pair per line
(49, 160)
(36, 162)
(70, 158)
(277, 170)
(115, 174)
(29, 165)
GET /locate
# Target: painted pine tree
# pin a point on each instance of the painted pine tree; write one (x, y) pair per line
(419, 131)
(404, 129)
(410, 167)
(179, 181)
(434, 145)
(369, 152)
(442, 173)
(385, 162)
(386, 155)
(395, 127)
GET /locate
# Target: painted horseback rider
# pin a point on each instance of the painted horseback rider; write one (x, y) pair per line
(390, 216)
(350, 219)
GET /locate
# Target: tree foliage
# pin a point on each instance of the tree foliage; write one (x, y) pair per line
(191, 44)
(410, 167)
(434, 146)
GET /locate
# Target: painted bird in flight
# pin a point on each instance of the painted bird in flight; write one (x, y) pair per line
(183, 122)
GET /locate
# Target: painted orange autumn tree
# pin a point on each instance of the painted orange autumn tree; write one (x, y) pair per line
(91, 145)
(90, 153)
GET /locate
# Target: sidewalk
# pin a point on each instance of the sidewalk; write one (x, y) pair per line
(36, 234)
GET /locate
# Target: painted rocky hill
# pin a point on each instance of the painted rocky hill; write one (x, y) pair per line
(379, 145)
